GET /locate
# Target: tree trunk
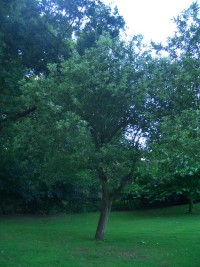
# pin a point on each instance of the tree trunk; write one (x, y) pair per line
(107, 198)
(106, 202)
(103, 219)
(191, 204)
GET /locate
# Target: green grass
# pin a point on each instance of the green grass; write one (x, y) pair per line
(165, 237)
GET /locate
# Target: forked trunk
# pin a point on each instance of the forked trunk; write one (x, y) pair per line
(107, 198)
(103, 219)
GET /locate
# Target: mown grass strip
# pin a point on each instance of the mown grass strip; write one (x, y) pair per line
(159, 237)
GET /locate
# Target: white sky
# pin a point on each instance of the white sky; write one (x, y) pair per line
(151, 18)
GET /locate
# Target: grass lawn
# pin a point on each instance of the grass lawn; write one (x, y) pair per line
(165, 237)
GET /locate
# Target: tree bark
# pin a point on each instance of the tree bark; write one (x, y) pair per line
(103, 219)
(106, 203)
(191, 204)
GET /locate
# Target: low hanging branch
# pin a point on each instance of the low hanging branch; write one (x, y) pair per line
(17, 116)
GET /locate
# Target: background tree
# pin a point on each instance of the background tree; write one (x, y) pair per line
(175, 158)
(35, 33)
(176, 151)
(171, 164)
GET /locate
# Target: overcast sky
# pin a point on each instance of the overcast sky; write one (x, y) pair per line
(152, 18)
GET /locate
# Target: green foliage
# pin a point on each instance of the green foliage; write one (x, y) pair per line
(35, 33)
(171, 163)
(101, 19)
(186, 39)
(175, 158)
(100, 92)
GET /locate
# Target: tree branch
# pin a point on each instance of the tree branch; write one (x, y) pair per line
(125, 181)
(19, 115)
